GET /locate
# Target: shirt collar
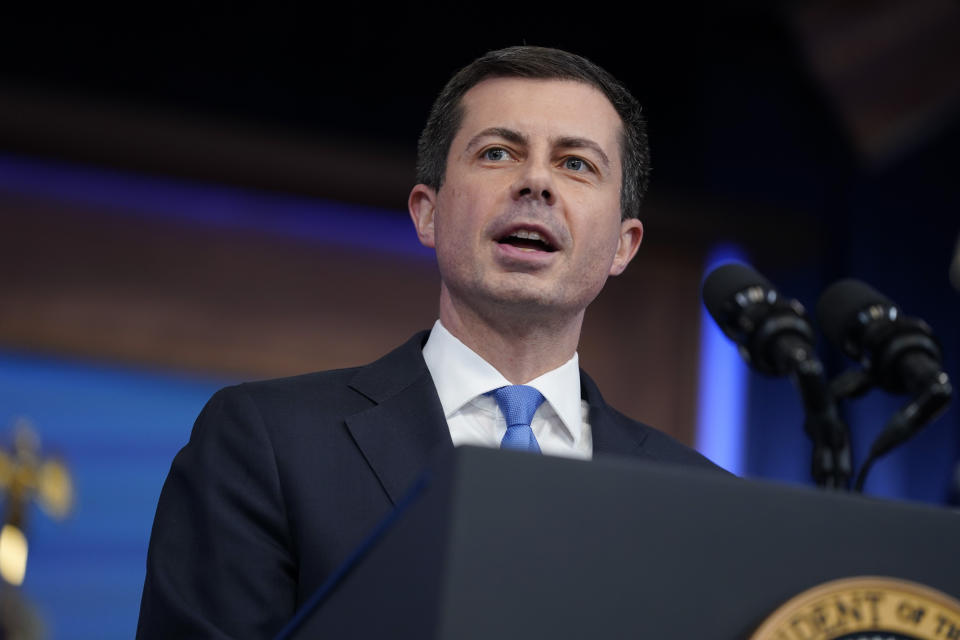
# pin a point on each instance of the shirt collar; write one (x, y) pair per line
(460, 375)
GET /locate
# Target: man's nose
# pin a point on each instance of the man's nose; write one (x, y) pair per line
(535, 182)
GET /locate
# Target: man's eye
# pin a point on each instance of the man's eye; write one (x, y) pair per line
(495, 154)
(575, 164)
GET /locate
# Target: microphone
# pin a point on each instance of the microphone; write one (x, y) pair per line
(774, 336)
(898, 354)
(772, 333)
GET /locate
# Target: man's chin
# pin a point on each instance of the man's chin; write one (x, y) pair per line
(519, 295)
(529, 300)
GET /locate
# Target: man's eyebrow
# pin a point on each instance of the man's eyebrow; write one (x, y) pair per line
(574, 142)
(498, 132)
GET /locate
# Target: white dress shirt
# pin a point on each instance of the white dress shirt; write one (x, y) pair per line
(463, 378)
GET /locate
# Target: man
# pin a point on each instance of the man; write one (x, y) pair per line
(531, 170)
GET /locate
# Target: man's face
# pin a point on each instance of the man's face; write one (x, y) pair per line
(528, 217)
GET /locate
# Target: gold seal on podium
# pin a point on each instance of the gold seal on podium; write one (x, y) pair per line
(865, 608)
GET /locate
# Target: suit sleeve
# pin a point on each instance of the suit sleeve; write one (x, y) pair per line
(220, 562)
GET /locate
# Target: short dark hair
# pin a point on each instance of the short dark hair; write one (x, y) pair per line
(540, 63)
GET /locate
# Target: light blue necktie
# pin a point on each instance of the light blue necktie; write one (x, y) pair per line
(518, 403)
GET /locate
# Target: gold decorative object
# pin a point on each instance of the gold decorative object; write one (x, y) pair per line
(24, 476)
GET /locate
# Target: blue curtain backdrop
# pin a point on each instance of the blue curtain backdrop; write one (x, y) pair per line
(118, 429)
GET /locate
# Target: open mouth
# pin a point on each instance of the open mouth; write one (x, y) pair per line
(527, 241)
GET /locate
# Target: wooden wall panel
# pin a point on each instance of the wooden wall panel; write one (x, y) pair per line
(147, 291)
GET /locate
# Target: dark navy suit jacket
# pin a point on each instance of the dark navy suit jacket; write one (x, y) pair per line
(282, 479)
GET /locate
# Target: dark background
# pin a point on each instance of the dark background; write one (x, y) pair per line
(806, 107)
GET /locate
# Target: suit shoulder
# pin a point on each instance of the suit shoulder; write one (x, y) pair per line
(340, 389)
(662, 447)
(315, 382)
(278, 400)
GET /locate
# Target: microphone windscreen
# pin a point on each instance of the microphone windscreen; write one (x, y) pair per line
(726, 281)
(840, 303)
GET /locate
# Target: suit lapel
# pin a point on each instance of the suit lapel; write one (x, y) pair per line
(406, 427)
(612, 432)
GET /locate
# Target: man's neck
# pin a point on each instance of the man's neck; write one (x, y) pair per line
(520, 347)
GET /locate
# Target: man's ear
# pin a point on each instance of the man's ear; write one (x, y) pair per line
(423, 205)
(631, 233)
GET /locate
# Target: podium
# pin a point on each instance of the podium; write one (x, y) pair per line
(499, 544)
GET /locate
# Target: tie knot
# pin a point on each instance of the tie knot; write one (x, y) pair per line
(518, 403)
